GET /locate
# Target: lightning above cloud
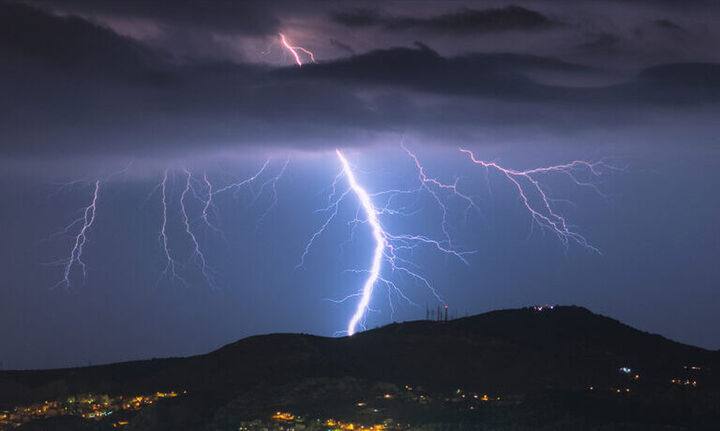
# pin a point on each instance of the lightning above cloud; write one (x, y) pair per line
(296, 51)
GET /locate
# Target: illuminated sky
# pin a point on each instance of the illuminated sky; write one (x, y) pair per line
(123, 92)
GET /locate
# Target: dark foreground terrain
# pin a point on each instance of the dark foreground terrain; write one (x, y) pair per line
(551, 369)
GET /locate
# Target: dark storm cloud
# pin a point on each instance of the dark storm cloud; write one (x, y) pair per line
(240, 17)
(77, 87)
(33, 42)
(344, 47)
(491, 75)
(668, 25)
(509, 77)
(600, 42)
(463, 21)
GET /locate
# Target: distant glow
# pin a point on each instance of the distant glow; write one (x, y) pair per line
(296, 50)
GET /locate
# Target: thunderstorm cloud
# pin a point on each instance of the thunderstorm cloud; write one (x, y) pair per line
(117, 79)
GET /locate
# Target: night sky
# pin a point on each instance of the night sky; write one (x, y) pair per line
(125, 93)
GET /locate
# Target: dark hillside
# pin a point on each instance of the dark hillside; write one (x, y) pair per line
(517, 353)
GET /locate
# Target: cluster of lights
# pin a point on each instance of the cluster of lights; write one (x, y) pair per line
(90, 407)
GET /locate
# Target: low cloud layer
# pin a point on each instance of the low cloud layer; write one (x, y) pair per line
(464, 21)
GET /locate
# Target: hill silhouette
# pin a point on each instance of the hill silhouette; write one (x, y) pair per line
(521, 353)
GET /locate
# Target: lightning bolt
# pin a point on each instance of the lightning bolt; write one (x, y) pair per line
(541, 209)
(76, 253)
(296, 50)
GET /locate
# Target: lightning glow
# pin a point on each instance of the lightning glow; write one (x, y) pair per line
(296, 50)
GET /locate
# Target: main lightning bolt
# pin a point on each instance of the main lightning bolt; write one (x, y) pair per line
(380, 244)
(76, 253)
(387, 245)
(296, 50)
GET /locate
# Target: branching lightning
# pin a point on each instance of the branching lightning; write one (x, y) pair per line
(432, 185)
(197, 255)
(380, 244)
(204, 192)
(387, 246)
(272, 184)
(208, 203)
(392, 252)
(76, 253)
(541, 209)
